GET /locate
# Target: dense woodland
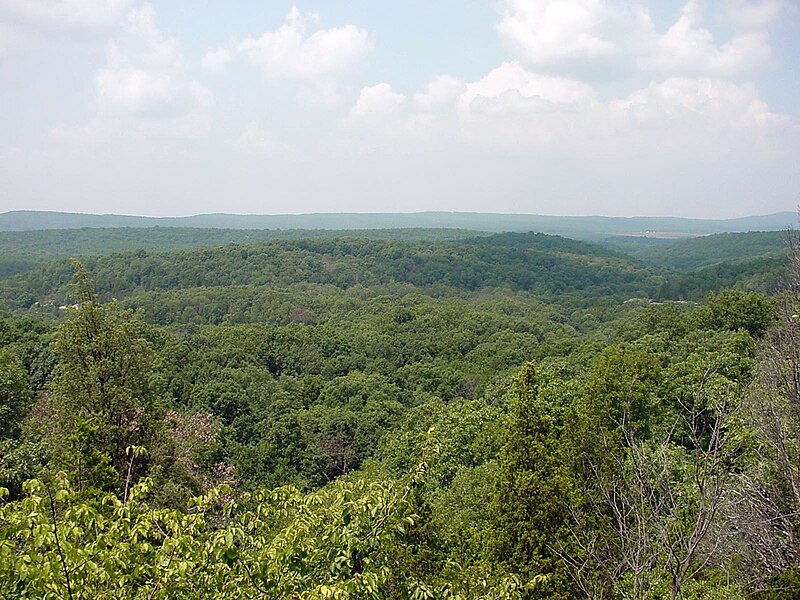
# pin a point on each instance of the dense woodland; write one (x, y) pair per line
(406, 415)
(22, 251)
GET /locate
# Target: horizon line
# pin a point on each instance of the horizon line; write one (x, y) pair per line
(392, 213)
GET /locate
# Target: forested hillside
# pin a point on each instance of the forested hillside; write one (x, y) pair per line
(710, 250)
(581, 227)
(21, 251)
(504, 416)
(549, 265)
(691, 267)
(695, 267)
(766, 273)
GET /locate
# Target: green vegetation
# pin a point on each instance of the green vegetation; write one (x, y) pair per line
(22, 251)
(484, 417)
(693, 268)
(711, 250)
(548, 265)
(766, 274)
(588, 228)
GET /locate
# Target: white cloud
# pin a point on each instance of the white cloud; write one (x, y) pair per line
(27, 22)
(513, 77)
(216, 60)
(144, 43)
(320, 94)
(535, 143)
(382, 121)
(515, 111)
(712, 105)
(510, 107)
(140, 92)
(24, 22)
(291, 52)
(688, 47)
(101, 131)
(67, 17)
(258, 141)
(550, 33)
(144, 86)
(378, 99)
(439, 94)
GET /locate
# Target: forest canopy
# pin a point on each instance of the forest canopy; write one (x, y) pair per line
(505, 416)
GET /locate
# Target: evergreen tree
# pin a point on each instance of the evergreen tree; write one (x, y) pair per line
(530, 506)
(100, 401)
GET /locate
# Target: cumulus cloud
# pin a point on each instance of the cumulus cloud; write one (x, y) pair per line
(514, 110)
(440, 93)
(551, 33)
(293, 52)
(512, 76)
(144, 84)
(689, 47)
(67, 17)
(533, 130)
(378, 99)
(216, 60)
(258, 141)
(23, 22)
(27, 22)
(383, 121)
(711, 104)
(140, 92)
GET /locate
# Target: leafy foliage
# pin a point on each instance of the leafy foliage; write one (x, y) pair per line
(707, 251)
(482, 418)
(533, 262)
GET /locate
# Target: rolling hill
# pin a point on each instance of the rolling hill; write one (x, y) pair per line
(582, 227)
(548, 265)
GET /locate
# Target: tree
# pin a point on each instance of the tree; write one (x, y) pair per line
(767, 516)
(15, 395)
(618, 404)
(731, 309)
(100, 401)
(18, 457)
(656, 480)
(529, 510)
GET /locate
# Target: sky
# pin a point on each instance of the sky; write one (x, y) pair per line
(560, 107)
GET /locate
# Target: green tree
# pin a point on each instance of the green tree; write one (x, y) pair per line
(529, 510)
(731, 309)
(100, 401)
(19, 457)
(15, 395)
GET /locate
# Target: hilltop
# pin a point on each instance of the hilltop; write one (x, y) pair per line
(581, 227)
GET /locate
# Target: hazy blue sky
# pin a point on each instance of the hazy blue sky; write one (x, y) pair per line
(617, 107)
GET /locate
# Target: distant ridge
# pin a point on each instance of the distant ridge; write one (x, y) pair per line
(584, 227)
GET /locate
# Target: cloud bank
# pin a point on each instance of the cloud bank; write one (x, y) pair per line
(607, 100)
